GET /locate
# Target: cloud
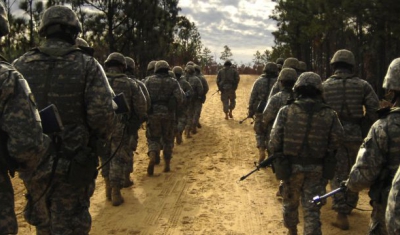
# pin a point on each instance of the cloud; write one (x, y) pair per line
(243, 25)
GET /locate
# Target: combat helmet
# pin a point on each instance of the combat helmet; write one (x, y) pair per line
(177, 70)
(309, 79)
(392, 78)
(161, 64)
(116, 57)
(130, 63)
(189, 69)
(291, 62)
(151, 65)
(270, 67)
(190, 63)
(227, 63)
(61, 15)
(280, 61)
(197, 68)
(287, 74)
(81, 42)
(4, 25)
(302, 66)
(344, 56)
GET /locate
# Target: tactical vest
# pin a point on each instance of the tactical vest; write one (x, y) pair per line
(120, 83)
(228, 76)
(57, 78)
(306, 136)
(345, 96)
(160, 90)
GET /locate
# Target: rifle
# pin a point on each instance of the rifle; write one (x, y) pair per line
(267, 162)
(317, 199)
(215, 93)
(241, 121)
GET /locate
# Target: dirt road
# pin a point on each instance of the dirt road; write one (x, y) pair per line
(202, 193)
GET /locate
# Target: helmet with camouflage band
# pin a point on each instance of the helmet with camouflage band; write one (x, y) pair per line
(59, 15)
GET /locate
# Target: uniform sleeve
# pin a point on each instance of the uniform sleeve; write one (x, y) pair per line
(371, 102)
(200, 89)
(21, 122)
(139, 102)
(271, 110)
(392, 216)
(370, 159)
(98, 98)
(205, 85)
(274, 89)
(276, 137)
(253, 98)
(178, 93)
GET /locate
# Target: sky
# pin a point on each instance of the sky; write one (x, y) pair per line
(243, 25)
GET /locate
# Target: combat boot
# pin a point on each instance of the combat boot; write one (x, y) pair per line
(194, 130)
(341, 222)
(116, 196)
(152, 161)
(167, 165)
(198, 125)
(292, 231)
(230, 113)
(187, 132)
(108, 189)
(178, 138)
(157, 161)
(226, 116)
(262, 155)
(127, 180)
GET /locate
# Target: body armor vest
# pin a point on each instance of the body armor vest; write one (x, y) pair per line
(58, 80)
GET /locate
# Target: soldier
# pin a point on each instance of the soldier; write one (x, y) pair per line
(126, 125)
(195, 98)
(393, 208)
(130, 71)
(182, 112)
(204, 82)
(166, 96)
(279, 63)
(304, 146)
(227, 82)
(22, 145)
(60, 73)
(378, 158)
(290, 62)
(348, 95)
(258, 99)
(150, 68)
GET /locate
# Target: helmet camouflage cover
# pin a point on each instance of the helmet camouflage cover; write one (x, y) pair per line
(4, 25)
(309, 79)
(118, 57)
(161, 64)
(392, 78)
(151, 65)
(81, 42)
(270, 67)
(59, 15)
(280, 61)
(130, 63)
(190, 69)
(291, 62)
(344, 56)
(287, 74)
(177, 70)
(197, 67)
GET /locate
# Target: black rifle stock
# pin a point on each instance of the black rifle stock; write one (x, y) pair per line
(267, 162)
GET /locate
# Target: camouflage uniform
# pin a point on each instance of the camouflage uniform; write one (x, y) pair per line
(277, 101)
(166, 95)
(227, 82)
(130, 63)
(195, 99)
(378, 158)
(203, 98)
(392, 217)
(60, 73)
(288, 63)
(182, 112)
(347, 95)
(124, 127)
(258, 97)
(295, 128)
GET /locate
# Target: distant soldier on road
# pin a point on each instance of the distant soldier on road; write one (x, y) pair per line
(227, 82)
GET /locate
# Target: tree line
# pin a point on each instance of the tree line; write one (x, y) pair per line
(312, 30)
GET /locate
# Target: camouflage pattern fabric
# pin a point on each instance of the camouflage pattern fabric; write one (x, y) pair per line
(288, 136)
(199, 107)
(195, 100)
(392, 215)
(160, 125)
(182, 113)
(347, 95)
(275, 89)
(75, 82)
(25, 143)
(227, 81)
(378, 158)
(259, 93)
(269, 114)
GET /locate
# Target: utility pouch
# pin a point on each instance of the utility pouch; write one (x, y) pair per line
(329, 166)
(123, 106)
(51, 120)
(83, 168)
(282, 167)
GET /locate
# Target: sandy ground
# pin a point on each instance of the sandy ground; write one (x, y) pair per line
(202, 194)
